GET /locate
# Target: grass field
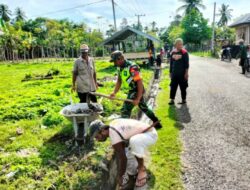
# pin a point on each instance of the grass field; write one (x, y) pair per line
(32, 107)
(40, 158)
(202, 53)
(165, 166)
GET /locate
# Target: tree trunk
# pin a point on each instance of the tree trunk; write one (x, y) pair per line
(54, 50)
(42, 49)
(13, 55)
(72, 52)
(32, 52)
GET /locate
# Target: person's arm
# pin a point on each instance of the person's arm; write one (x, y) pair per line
(139, 92)
(94, 75)
(135, 73)
(171, 66)
(121, 159)
(117, 87)
(186, 65)
(74, 75)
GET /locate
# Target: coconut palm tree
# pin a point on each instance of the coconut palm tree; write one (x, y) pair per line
(5, 13)
(190, 5)
(20, 15)
(153, 24)
(225, 15)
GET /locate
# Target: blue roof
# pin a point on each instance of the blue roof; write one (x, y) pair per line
(125, 33)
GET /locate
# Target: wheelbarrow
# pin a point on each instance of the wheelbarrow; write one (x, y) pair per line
(81, 114)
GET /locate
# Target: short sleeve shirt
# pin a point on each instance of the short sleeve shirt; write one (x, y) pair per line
(127, 128)
(84, 72)
(132, 74)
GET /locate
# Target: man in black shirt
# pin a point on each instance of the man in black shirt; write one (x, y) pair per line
(179, 65)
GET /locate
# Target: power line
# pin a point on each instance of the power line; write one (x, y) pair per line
(79, 6)
(130, 7)
(124, 11)
(139, 6)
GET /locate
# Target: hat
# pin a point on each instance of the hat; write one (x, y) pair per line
(115, 55)
(84, 48)
(95, 127)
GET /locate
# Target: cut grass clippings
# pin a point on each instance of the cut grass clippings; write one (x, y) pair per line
(165, 165)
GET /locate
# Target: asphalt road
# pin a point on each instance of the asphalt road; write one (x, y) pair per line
(216, 127)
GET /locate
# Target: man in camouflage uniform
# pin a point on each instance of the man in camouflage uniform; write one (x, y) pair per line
(129, 76)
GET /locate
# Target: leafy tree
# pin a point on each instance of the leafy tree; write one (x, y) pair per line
(176, 32)
(196, 29)
(225, 34)
(225, 15)
(5, 13)
(191, 5)
(20, 15)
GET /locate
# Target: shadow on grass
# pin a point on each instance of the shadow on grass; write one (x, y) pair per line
(180, 114)
(61, 147)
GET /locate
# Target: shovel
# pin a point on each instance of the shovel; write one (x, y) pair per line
(106, 96)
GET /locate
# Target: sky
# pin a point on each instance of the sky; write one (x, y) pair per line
(97, 14)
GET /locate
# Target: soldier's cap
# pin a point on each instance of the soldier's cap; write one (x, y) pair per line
(115, 55)
(84, 48)
(95, 127)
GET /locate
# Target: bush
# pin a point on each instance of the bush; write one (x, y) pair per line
(52, 119)
(99, 52)
(27, 76)
(53, 72)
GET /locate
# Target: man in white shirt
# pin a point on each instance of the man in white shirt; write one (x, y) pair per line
(138, 136)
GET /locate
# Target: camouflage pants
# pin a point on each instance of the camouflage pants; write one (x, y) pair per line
(128, 107)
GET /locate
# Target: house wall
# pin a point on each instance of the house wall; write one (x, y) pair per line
(243, 32)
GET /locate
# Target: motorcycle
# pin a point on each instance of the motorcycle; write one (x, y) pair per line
(226, 54)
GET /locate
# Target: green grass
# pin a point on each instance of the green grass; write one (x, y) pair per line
(165, 166)
(202, 53)
(34, 107)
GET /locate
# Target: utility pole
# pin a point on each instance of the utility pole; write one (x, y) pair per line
(138, 16)
(213, 35)
(113, 5)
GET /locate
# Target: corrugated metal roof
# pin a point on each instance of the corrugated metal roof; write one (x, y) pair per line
(244, 19)
(125, 33)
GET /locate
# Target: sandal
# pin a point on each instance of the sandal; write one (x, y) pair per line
(138, 181)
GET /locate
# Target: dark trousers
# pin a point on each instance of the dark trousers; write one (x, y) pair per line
(178, 81)
(127, 107)
(83, 97)
(242, 64)
(243, 69)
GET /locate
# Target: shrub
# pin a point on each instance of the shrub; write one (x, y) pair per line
(52, 119)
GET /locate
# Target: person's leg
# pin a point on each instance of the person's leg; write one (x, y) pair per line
(93, 98)
(138, 146)
(142, 173)
(243, 69)
(145, 109)
(183, 87)
(132, 163)
(173, 89)
(82, 97)
(127, 106)
(242, 64)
